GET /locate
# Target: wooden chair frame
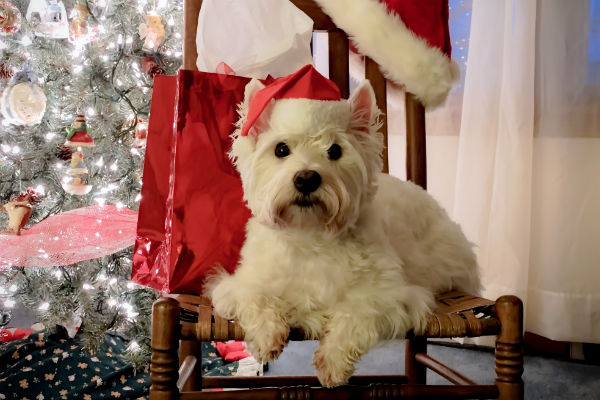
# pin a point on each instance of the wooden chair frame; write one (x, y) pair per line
(180, 322)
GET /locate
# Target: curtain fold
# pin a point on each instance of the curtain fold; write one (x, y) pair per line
(527, 186)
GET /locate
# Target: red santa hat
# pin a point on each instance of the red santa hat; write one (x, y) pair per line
(409, 39)
(306, 83)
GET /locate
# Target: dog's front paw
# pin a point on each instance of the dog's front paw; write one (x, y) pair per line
(267, 344)
(332, 369)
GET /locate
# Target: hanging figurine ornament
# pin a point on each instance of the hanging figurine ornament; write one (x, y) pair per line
(10, 18)
(78, 135)
(76, 166)
(152, 32)
(140, 131)
(81, 31)
(141, 134)
(76, 180)
(50, 17)
(19, 210)
(23, 101)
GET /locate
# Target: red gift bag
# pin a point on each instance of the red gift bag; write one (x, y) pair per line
(192, 216)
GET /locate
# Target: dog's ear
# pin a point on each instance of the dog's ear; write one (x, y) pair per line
(363, 107)
(243, 146)
(252, 87)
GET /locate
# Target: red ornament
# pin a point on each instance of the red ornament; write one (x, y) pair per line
(151, 67)
(5, 73)
(7, 335)
(10, 18)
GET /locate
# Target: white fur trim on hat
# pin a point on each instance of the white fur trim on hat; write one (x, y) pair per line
(405, 58)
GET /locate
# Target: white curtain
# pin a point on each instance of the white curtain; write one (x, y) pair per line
(514, 156)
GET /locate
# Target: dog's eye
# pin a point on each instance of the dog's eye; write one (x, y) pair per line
(334, 152)
(282, 150)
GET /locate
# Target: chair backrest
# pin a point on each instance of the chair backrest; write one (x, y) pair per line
(339, 73)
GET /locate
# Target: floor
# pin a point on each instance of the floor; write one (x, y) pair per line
(544, 378)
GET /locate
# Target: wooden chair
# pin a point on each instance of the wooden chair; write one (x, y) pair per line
(180, 322)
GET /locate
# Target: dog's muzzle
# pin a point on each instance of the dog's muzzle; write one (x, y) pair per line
(307, 181)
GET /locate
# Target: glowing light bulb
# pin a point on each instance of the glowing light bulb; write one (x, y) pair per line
(133, 346)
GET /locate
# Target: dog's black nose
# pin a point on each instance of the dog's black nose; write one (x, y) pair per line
(307, 181)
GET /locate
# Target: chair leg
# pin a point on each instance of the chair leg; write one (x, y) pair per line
(191, 348)
(165, 340)
(509, 348)
(416, 373)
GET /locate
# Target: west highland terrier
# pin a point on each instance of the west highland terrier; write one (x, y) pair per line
(335, 247)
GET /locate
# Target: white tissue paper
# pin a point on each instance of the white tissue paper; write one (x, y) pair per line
(253, 38)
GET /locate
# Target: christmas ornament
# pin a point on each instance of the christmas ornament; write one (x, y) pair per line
(63, 152)
(76, 166)
(19, 210)
(76, 180)
(8, 335)
(140, 131)
(78, 135)
(152, 32)
(5, 73)
(51, 18)
(23, 102)
(76, 185)
(70, 237)
(81, 32)
(10, 18)
(150, 66)
(416, 50)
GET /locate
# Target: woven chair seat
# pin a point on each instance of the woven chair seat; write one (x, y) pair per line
(456, 315)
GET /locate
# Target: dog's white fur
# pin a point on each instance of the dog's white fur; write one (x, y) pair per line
(359, 266)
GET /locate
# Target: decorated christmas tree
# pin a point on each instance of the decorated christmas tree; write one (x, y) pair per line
(76, 81)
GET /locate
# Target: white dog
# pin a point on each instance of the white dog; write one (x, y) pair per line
(350, 255)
